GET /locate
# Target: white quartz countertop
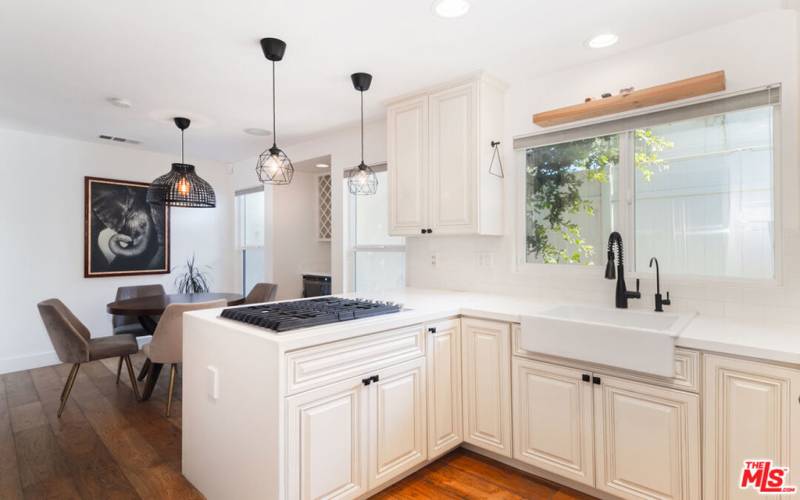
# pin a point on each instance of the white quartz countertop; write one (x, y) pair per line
(764, 340)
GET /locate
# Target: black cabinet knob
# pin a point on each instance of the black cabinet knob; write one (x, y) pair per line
(375, 378)
(586, 377)
(432, 329)
(422, 231)
(366, 381)
(430, 230)
(596, 380)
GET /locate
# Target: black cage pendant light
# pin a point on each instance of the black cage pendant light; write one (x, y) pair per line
(361, 180)
(273, 166)
(181, 186)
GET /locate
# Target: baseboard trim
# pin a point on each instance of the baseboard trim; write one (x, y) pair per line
(20, 363)
(47, 358)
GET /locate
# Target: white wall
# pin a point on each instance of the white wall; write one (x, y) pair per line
(296, 249)
(41, 254)
(755, 51)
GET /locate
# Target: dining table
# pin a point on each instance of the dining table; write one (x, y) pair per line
(148, 309)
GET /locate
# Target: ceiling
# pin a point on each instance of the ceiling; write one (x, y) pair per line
(60, 60)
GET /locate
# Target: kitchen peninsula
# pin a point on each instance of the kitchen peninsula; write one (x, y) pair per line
(345, 409)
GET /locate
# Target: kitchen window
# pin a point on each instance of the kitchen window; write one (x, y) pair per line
(379, 260)
(693, 186)
(249, 208)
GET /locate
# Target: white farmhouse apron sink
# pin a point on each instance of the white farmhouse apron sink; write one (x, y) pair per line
(633, 340)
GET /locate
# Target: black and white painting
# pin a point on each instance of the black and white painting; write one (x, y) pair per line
(124, 235)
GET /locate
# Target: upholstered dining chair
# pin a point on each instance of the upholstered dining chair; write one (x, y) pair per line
(131, 324)
(262, 292)
(167, 344)
(74, 344)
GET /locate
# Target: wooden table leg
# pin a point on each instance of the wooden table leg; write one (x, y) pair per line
(152, 378)
(144, 370)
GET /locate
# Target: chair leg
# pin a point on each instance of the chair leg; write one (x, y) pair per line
(172, 372)
(69, 377)
(143, 371)
(119, 369)
(132, 376)
(73, 374)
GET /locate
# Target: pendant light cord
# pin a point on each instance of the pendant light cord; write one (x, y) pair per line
(182, 161)
(362, 127)
(274, 133)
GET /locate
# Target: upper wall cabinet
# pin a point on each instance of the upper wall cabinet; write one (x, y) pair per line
(439, 151)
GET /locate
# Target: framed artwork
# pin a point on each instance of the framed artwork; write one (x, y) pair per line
(123, 234)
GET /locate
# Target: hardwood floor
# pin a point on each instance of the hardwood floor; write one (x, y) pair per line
(106, 445)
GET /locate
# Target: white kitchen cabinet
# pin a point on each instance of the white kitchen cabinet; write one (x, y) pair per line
(647, 440)
(486, 374)
(751, 411)
(445, 430)
(553, 417)
(397, 421)
(407, 150)
(327, 442)
(438, 156)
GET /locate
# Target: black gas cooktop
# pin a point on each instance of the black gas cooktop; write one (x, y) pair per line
(283, 316)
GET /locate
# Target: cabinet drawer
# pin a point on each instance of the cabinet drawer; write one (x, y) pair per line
(687, 366)
(319, 365)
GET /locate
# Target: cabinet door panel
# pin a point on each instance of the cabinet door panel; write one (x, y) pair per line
(397, 434)
(444, 388)
(486, 372)
(553, 419)
(326, 445)
(407, 153)
(646, 440)
(453, 150)
(751, 411)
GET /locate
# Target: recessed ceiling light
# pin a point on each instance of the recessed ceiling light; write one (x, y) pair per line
(602, 41)
(257, 131)
(322, 165)
(450, 9)
(120, 102)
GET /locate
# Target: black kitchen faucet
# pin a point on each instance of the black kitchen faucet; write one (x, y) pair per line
(622, 294)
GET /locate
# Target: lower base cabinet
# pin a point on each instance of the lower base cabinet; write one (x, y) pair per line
(751, 411)
(647, 440)
(445, 429)
(630, 439)
(350, 437)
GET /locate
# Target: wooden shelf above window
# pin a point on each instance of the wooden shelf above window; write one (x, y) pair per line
(651, 96)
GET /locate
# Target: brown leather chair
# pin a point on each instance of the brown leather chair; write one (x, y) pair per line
(167, 344)
(262, 292)
(131, 324)
(74, 344)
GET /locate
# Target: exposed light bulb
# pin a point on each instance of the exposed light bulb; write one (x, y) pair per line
(273, 164)
(184, 187)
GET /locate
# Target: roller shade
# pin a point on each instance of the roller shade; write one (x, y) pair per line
(765, 96)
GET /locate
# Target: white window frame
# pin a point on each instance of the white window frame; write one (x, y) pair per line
(354, 247)
(239, 228)
(626, 223)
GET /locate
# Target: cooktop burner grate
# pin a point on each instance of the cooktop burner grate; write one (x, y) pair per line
(283, 316)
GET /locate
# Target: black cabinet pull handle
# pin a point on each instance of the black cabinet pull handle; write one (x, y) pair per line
(596, 380)
(586, 377)
(374, 378)
(366, 381)
(432, 329)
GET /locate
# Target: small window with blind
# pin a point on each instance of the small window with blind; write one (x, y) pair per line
(693, 186)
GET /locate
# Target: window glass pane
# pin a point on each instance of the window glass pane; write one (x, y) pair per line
(379, 270)
(254, 219)
(372, 224)
(703, 202)
(253, 264)
(570, 200)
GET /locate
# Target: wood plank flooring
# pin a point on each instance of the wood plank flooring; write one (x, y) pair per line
(106, 445)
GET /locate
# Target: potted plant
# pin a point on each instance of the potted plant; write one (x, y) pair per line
(194, 279)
